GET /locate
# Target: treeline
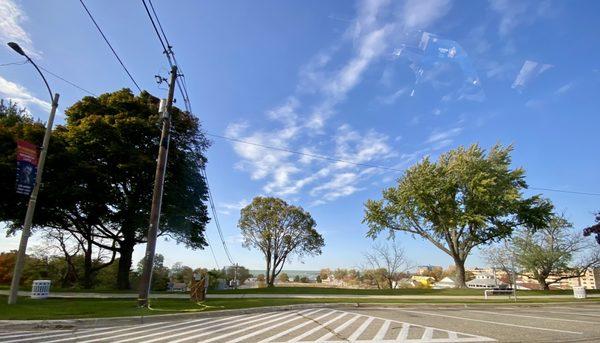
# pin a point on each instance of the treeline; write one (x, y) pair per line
(69, 275)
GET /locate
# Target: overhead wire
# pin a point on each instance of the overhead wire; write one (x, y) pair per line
(110, 45)
(182, 87)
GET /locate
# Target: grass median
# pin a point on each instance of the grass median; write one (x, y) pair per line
(29, 309)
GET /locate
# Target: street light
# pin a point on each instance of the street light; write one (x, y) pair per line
(14, 286)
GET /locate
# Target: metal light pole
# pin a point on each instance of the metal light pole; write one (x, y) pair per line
(159, 180)
(14, 285)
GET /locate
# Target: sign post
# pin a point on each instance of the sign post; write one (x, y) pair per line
(27, 160)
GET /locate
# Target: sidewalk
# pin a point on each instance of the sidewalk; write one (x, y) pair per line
(71, 295)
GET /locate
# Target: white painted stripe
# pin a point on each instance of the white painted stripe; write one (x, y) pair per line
(258, 332)
(279, 318)
(382, 331)
(299, 326)
(427, 335)
(338, 329)
(71, 333)
(491, 322)
(532, 317)
(569, 313)
(452, 335)
(212, 325)
(31, 333)
(360, 329)
(138, 333)
(261, 319)
(403, 334)
(313, 330)
(104, 332)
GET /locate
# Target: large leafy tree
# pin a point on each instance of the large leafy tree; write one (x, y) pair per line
(466, 199)
(100, 171)
(553, 253)
(279, 231)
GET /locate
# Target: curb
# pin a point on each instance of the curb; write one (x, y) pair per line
(74, 324)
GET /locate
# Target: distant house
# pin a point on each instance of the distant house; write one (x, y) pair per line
(484, 281)
(446, 282)
(423, 281)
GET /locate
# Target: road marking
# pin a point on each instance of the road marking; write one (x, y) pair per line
(31, 333)
(244, 321)
(137, 333)
(427, 335)
(338, 329)
(361, 329)
(42, 335)
(381, 333)
(571, 313)
(532, 317)
(491, 322)
(274, 326)
(319, 327)
(299, 326)
(277, 318)
(403, 334)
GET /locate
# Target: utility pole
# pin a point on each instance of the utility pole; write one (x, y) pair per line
(159, 180)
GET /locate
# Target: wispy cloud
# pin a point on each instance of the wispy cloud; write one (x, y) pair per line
(11, 19)
(528, 72)
(515, 13)
(564, 88)
(228, 208)
(21, 95)
(325, 82)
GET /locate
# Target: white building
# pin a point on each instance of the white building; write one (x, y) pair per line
(484, 281)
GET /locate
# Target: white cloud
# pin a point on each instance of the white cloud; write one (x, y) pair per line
(528, 72)
(515, 13)
(19, 94)
(419, 14)
(228, 208)
(441, 136)
(11, 20)
(564, 88)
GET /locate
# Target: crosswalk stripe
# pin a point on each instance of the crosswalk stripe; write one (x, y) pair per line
(137, 333)
(299, 326)
(313, 330)
(258, 332)
(244, 321)
(403, 334)
(252, 327)
(128, 328)
(360, 329)
(45, 336)
(338, 329)
(427, 335)
(263, 317)
(381, 333)
(30, 333)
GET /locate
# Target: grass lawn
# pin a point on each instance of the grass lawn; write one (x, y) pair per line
(27, 308)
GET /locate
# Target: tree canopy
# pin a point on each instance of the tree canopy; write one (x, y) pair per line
(465, 199)
(279, 231)
(100, 170)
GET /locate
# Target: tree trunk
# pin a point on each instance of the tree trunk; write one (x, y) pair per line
(543, 284)
(88, 267)
(125, 260)
(460, 273)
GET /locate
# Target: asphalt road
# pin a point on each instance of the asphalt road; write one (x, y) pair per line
(548, 323)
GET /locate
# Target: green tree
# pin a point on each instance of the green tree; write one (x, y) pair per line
(242, 274)
(466, 199)
(548, 255)
(160, 273)
(109, 145)
(279, 231)
(594, 229)
(283, 277)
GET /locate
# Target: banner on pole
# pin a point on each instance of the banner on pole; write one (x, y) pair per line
(27, 160)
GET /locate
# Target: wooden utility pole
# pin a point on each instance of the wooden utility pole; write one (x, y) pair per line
(159, 181)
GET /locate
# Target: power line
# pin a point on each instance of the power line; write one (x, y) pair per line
(333, 159)
(563, 191)
(67, 81)
(14, 63)
(215, 217)
(109, 45)
(212, 252)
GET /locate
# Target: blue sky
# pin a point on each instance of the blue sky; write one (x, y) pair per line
(375, 82)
